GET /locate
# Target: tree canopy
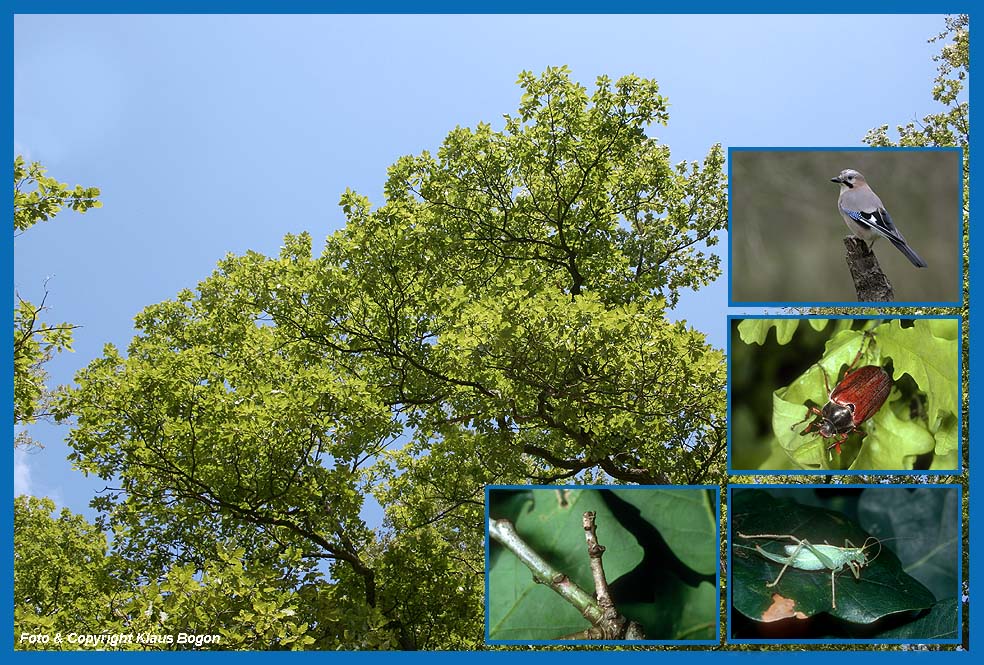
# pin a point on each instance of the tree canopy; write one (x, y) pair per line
(501, 318)
(38, 198)
(951, 127)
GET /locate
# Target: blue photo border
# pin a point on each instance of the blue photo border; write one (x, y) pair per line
(877, 472)
(716, 492)
(699, 656)
(870, 642)
(834, 303)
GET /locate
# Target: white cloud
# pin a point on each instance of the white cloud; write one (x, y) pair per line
(22, 472)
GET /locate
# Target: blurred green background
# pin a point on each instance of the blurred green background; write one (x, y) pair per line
(756, 372)
(787, 235)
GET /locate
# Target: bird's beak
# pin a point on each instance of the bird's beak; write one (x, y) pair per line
(837, 180)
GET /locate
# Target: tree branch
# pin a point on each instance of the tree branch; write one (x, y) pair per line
(870, 282)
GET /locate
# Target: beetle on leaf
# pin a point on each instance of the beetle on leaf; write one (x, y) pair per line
(855, 399)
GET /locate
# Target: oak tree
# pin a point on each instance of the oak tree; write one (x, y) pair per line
(502, 317)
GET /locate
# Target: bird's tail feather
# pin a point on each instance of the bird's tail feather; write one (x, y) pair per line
(909, 253)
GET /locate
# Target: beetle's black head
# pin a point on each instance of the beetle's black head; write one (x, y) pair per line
(837, 419)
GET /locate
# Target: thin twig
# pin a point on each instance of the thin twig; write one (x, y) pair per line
(606, 621)
(504, 532)
(595, 552)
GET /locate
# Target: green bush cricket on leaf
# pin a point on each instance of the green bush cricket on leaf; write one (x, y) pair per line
(804, 555)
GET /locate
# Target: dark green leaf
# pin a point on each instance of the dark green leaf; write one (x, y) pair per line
(882, 587)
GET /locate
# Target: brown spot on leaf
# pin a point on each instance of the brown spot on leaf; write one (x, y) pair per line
(781, 608)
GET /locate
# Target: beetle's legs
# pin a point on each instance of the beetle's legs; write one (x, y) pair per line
(811, 411)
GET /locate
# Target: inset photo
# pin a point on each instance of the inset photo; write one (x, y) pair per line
(844, 395)
(857, 564)
(842, 226)
(598, 564)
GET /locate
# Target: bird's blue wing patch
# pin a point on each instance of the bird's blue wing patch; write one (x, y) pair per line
(862, 218)
(877, 220)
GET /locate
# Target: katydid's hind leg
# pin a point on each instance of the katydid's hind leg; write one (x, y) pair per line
(833, 590)
(773, 536)
(800, 544)
(789, 560)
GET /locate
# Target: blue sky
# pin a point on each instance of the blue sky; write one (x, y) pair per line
(211, 134)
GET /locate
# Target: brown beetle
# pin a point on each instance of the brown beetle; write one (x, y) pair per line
(859, 396)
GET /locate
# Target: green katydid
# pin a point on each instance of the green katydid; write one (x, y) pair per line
(804, 555)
